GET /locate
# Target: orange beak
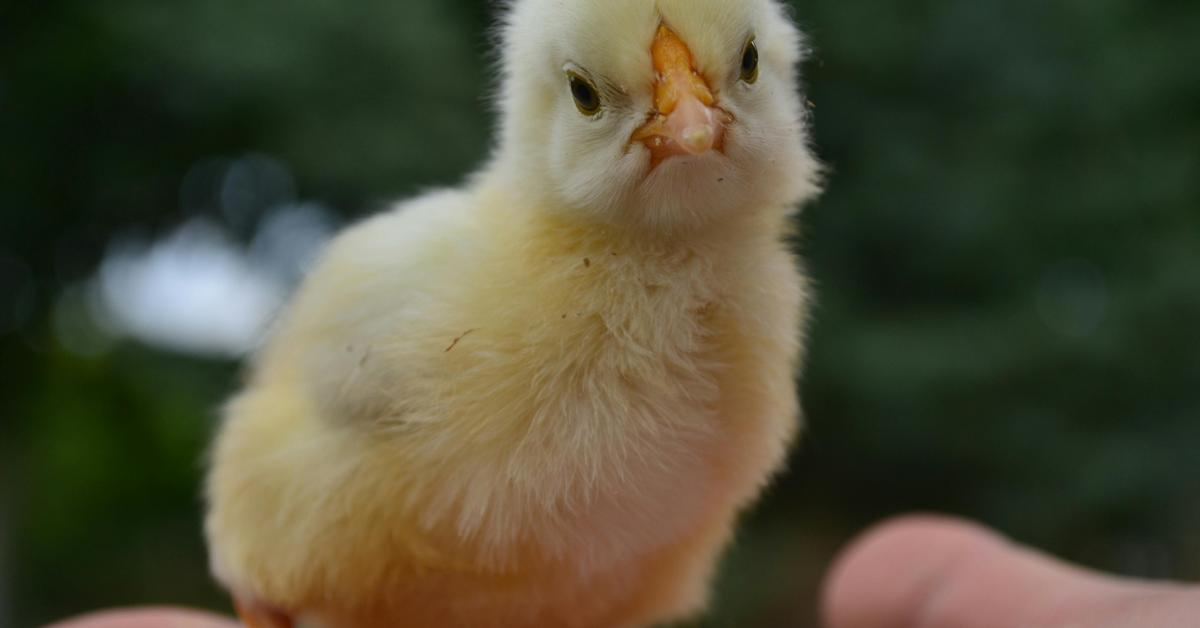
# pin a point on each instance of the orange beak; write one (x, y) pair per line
(685, 119)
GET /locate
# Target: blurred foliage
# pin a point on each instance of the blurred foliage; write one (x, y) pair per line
(1007, 256)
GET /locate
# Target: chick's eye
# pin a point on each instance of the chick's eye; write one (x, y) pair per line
(750, 62)
(587, 100)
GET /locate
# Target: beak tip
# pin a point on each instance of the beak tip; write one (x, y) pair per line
(697, 139)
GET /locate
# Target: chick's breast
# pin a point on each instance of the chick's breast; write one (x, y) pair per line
(474, 416)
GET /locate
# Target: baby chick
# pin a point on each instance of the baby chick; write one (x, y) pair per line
(543, 398)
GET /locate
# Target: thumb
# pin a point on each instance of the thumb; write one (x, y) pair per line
(928, 572)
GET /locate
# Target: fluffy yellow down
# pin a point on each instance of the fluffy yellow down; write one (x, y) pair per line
(488, 408)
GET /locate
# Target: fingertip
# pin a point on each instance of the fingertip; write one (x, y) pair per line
(882, 578)
(148, 618)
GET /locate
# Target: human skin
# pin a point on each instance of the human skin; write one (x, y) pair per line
(931, 572)
(148, 618)
(914, 572)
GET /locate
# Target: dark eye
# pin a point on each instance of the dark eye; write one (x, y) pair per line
(586, 97)
(750, 62)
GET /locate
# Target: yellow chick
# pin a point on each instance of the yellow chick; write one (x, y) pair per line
(541, 399)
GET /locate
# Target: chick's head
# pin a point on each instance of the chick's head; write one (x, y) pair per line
(654, 114)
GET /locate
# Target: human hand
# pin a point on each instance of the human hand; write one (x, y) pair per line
(148, 618)
(916, 572)
(928, 572)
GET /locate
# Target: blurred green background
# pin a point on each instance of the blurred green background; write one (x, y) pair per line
(1008, 261)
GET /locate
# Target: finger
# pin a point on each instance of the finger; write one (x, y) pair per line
(928, 572)
(148, 618)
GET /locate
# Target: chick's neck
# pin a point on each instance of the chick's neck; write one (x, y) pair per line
(552, 232)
